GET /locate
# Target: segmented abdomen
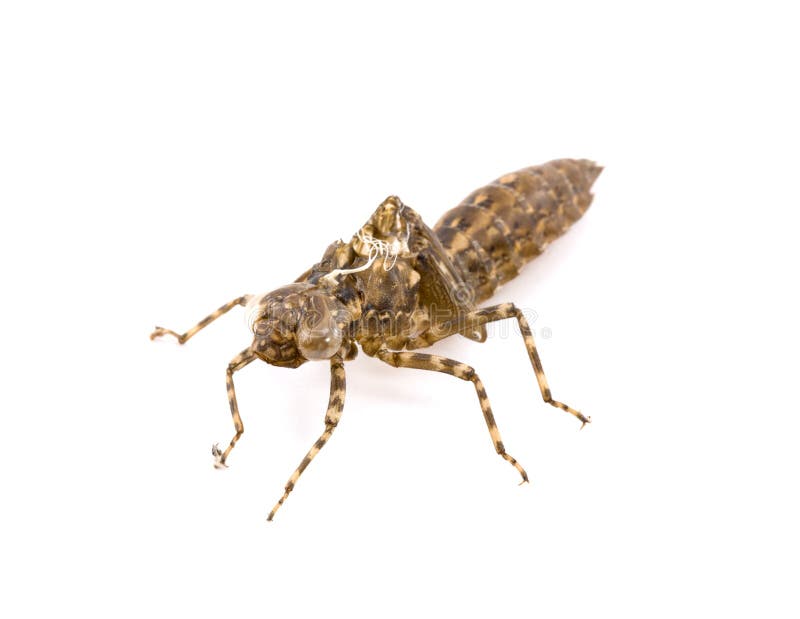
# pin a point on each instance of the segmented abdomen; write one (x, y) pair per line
(498, 228)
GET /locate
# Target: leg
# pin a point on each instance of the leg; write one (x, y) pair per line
(159, 331)
(332, 416)
(460, 370)
(238, 362)
(481, 317)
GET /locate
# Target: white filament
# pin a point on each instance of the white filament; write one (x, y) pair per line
(377, 248)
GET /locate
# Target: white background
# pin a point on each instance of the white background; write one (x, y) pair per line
(160, 158)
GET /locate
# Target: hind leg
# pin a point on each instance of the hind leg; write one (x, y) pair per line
(480, 317)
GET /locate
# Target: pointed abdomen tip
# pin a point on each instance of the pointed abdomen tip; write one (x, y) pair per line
(591, 169)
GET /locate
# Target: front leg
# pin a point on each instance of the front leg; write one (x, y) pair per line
(183, 337)
(237, 363)
(332, 416)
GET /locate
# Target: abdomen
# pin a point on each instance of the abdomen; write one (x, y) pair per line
(498, 228)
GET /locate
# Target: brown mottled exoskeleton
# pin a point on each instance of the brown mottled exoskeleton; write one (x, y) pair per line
(399, 285)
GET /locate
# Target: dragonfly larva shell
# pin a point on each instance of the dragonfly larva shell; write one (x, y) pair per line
(498, 228)
(399, 285)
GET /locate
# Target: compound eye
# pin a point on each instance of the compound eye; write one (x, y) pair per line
(318, 336)
(321, 342)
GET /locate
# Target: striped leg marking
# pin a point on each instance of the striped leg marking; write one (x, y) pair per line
(236, 364)
(422, 361)
(509, 310)
(332, 416)
(183, 337)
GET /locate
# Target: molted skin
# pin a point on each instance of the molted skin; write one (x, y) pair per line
(399, 285)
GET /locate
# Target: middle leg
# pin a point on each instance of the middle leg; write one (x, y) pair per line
(332, 416)
(422, 361)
